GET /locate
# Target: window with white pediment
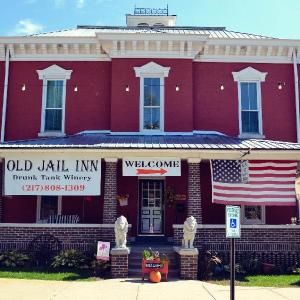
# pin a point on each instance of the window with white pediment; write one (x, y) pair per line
(152, 90)
(250, 101)
(53, 99)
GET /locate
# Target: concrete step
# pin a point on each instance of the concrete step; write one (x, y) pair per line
(138, 272)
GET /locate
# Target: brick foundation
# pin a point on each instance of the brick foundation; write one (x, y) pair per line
(119, 263)
(279, 244)
(110, 192)
(188, 263)
(194, 206)
(81, 237)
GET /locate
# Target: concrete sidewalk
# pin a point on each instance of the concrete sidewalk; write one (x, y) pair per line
(134, 289)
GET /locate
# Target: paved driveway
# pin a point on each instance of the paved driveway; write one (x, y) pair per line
(131, 289)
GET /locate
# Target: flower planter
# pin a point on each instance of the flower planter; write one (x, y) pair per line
(155, 265)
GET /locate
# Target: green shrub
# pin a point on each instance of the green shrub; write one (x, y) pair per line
(69, 259)
(13, 259)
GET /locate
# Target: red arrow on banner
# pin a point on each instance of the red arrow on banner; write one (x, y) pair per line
(149, 171)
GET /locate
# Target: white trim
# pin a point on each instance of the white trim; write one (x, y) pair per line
(204, 154)
(203, 132)
(53, 73)
(244, 59)
(221, 226)
(151, 69)
(34, 225)
(253, 222)
(38, 207)
(194, 160)
(5, 91)
(249, 74)
(296, 86)
(259, 108)
(111, 159)
(51, 134)
(161, 106)
(246, 135)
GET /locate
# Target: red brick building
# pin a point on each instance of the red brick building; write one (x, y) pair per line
(150, 90)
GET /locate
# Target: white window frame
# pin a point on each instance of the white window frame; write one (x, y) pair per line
(152, 70)
(250, 75)
(38, 207)
(53, 73)
(254, 222)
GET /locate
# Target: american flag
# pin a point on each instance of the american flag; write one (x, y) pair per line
(254, 182)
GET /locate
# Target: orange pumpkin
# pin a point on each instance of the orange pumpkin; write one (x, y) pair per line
(155, 276)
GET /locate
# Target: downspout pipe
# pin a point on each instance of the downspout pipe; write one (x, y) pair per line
(5, 92)
(297, 113)
(296, 94)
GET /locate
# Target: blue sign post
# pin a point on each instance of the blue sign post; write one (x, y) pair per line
(233, 231)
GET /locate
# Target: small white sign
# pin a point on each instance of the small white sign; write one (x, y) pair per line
(233, 223)
(52, 174)
(103, 250)
(151, 167)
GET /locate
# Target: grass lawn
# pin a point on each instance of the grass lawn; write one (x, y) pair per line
(264, 280)
(46, 274)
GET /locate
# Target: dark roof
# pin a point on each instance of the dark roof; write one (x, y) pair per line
(137, 141)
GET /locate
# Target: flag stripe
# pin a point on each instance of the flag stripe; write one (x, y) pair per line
(260, 168)
(254, 195)
(252, 202)
(261, 187)
(267, 182)
(272, 175)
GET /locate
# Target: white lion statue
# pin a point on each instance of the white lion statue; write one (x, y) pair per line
(189, 232)
(121, 229)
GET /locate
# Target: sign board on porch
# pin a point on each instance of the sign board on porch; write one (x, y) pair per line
(52, 174)
(103, 250)
(151, 167)
(233, 226)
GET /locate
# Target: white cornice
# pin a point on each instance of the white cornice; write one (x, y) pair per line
(249, 74)
(105, 46)
(152, 68)
(55, 72)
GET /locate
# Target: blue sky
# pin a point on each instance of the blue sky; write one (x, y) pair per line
(276, 18)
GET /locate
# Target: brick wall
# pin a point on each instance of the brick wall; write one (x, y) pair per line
(72, 236)
(188, 266)
(119, 266)
(110, 193)
(194, 192)
(275, 244)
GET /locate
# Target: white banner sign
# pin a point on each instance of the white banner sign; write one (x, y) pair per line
(103, 250)
(151, 167)
(52, 174)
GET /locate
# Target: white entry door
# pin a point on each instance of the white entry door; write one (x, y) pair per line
(151, 199)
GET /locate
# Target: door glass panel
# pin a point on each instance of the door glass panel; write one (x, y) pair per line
(151, 210)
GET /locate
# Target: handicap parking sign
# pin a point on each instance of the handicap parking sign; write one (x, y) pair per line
(232, 223)
(233, 229)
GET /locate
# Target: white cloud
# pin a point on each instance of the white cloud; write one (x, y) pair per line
(26, 26)
(80, 3)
